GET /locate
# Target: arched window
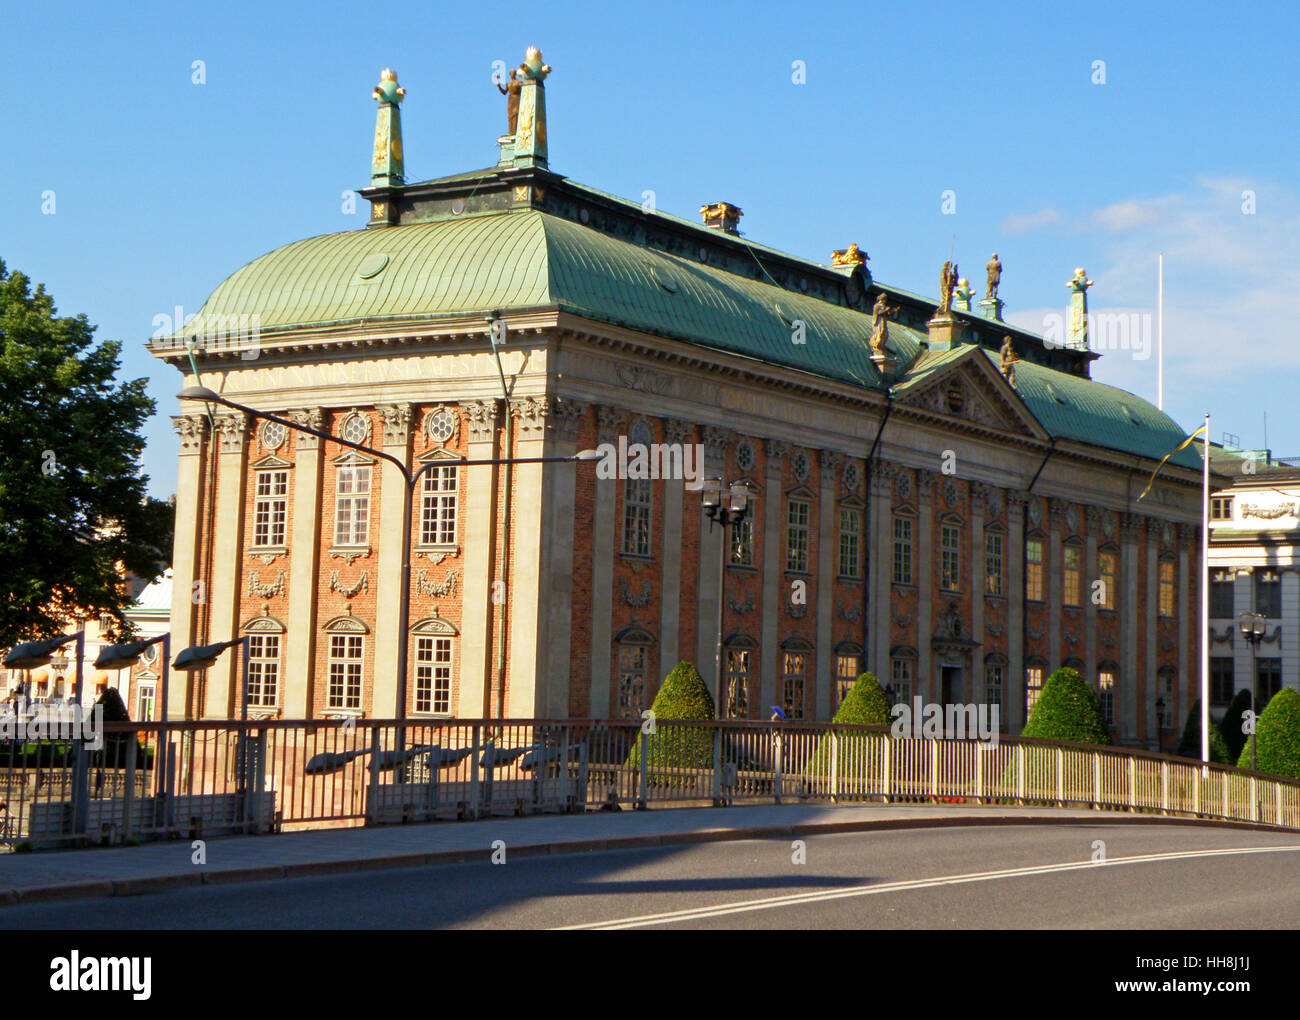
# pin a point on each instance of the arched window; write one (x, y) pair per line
(347, 636)
(435, 648)
(740, 660)
(1035, 675)
(848, 665)
(265, 643)
(902, 672)
(995, 674)
(1107, 682)
(632, 660)
(794, 672)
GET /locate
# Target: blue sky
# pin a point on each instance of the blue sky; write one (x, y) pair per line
(163, 187)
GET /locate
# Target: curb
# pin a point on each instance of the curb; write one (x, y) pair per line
(231, 876)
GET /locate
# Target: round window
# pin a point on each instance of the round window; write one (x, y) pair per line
(441, 424)
(355, 428)
(273, 435)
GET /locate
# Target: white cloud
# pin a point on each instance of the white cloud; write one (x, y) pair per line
(1017, 223)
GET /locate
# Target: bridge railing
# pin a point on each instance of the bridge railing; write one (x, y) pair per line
(198, 779)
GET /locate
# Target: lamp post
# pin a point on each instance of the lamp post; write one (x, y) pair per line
(412, 479)
(1252, 629)
(725, 508)
(127, 654)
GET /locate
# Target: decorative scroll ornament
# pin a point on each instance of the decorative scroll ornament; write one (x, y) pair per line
(850, 614)
(444, 589)
(265, 591)
(363, 584)
(746, 606)
(1269, 513)
(637, 599)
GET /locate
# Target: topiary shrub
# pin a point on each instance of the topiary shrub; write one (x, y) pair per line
(1230, 726)
(683, 695)
(1277, 737)
(866, 704)
(1068, 709)
(1189, 746)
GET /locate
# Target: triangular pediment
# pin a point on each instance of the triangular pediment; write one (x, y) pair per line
(271, 461)
(968, 388)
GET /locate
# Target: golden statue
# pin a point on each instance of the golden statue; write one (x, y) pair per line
(947, 281)
(1009, 359)
(850, 256)
(994, 271)
(511, 90)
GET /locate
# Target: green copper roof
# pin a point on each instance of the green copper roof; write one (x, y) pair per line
(530, 259)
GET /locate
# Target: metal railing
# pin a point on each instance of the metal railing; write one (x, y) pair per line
(199, 779)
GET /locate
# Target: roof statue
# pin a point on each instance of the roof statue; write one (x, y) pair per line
(1079, 284)
(880, 313)
(386, 168)
(963, 294)
(947, 280)
(850, 256)
(511, 90)
(529, 127)
(1009, 359)
(994, 269)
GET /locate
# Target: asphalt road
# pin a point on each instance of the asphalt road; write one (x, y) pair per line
(994, 877)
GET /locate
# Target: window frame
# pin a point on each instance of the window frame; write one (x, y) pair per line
(798, 536)
(265, 532)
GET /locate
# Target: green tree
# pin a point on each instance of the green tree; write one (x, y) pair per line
(683, 695)
(1277, 737)
(73, 503)
(1190, 744)
(866, 704)
(1068, 709)
(1231, 725)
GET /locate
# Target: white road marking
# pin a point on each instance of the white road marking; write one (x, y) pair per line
(795, 899)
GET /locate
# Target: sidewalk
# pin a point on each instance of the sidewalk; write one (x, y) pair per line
(127, 871)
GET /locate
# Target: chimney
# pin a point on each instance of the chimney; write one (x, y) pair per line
(722, 216)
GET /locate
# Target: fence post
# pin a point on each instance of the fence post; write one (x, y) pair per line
(780, 778)
(934, 769)
(717, 765)
(128, 795)
(1196, 793)
(1164, 787)
(80, 787)
(372, 787)
(886, 759)
(1254, 799)
(474, 786)
(1227, 811)
(1020, 773)
(1096, 779)
(979, 773)
(1132, 783)
(1060, 776)
(643, 777)
(835, 765)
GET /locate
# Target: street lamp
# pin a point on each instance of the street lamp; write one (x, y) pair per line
(1252, 629)
(412, 479)
(724, 507)
(197, 658)
(128, 653)
(35, 654)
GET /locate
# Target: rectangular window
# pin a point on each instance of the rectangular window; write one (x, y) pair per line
(793, 688)
(950, 557)
(1034, 569)
(637, 497)
(850, 539)
(1222, 585)
(631, 681)
(1106, 695)
(738, 684)
(145, 702)
(438, 509)
(742, 541)
(993, 563)
(1033, 687)
(433, 674)
(270, 508)
(900, 678)
(1223, 680)
(1268, 593)
(1220, 508)
(1072, 590)
(345, 671)
(993, 683)
(796, 536)
(1168, 700)
(263, 670)
(846, 675)
(352, 505)
(1108, 564)
(902, 550)
(1268, 681)
(1166, 588)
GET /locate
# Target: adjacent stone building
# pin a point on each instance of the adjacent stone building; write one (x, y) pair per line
(924, 506)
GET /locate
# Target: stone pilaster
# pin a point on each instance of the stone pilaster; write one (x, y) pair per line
(194, 439)
(387, 539)
(1092, 521)
(480, 546)
(560, 497)
(304, 563)
(774, 589)
(1055, 572)
(826, 556)
(1148, 687)
(925, 581)
(526, 694)
(1243, 601)
(979, 494)
(716, 441)
(1187, 612)
(1015, 572)
(1290, 628)
(670, 607)
(880, 572)
(223, 686)
(1126, 696)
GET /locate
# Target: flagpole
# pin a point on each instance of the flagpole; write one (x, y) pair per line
(1160, 337)
(1205, 601)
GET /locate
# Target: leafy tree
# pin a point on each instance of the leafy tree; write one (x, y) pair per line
(866, 704)
(684, 695)
(1068, 709)
(73, 506)
(1277, 737)
(1231, 724)
(1190, 744)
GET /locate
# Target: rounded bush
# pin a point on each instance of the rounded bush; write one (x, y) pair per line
(1277, 737)
(1068, 709)
(1230, 726)
(866, 704)
(683, 695)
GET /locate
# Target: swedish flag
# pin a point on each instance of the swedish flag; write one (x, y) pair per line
(1181, 446)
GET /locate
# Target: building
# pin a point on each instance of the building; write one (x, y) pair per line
(1254, 569)
(940, 497)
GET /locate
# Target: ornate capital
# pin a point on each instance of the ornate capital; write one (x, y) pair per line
(1130, 524)
(566, 418)
(533, 414)
(924, 482)
(232, 428)
(313, 418)
(608, 421)
(397, 423)
(776, 451)
(678, 431)
(716, 440)
(1091, 517)
(980, 495)
(193, 429)
(482, 420)
(830, 463)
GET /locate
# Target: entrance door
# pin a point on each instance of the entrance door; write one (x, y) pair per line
(952, 691)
